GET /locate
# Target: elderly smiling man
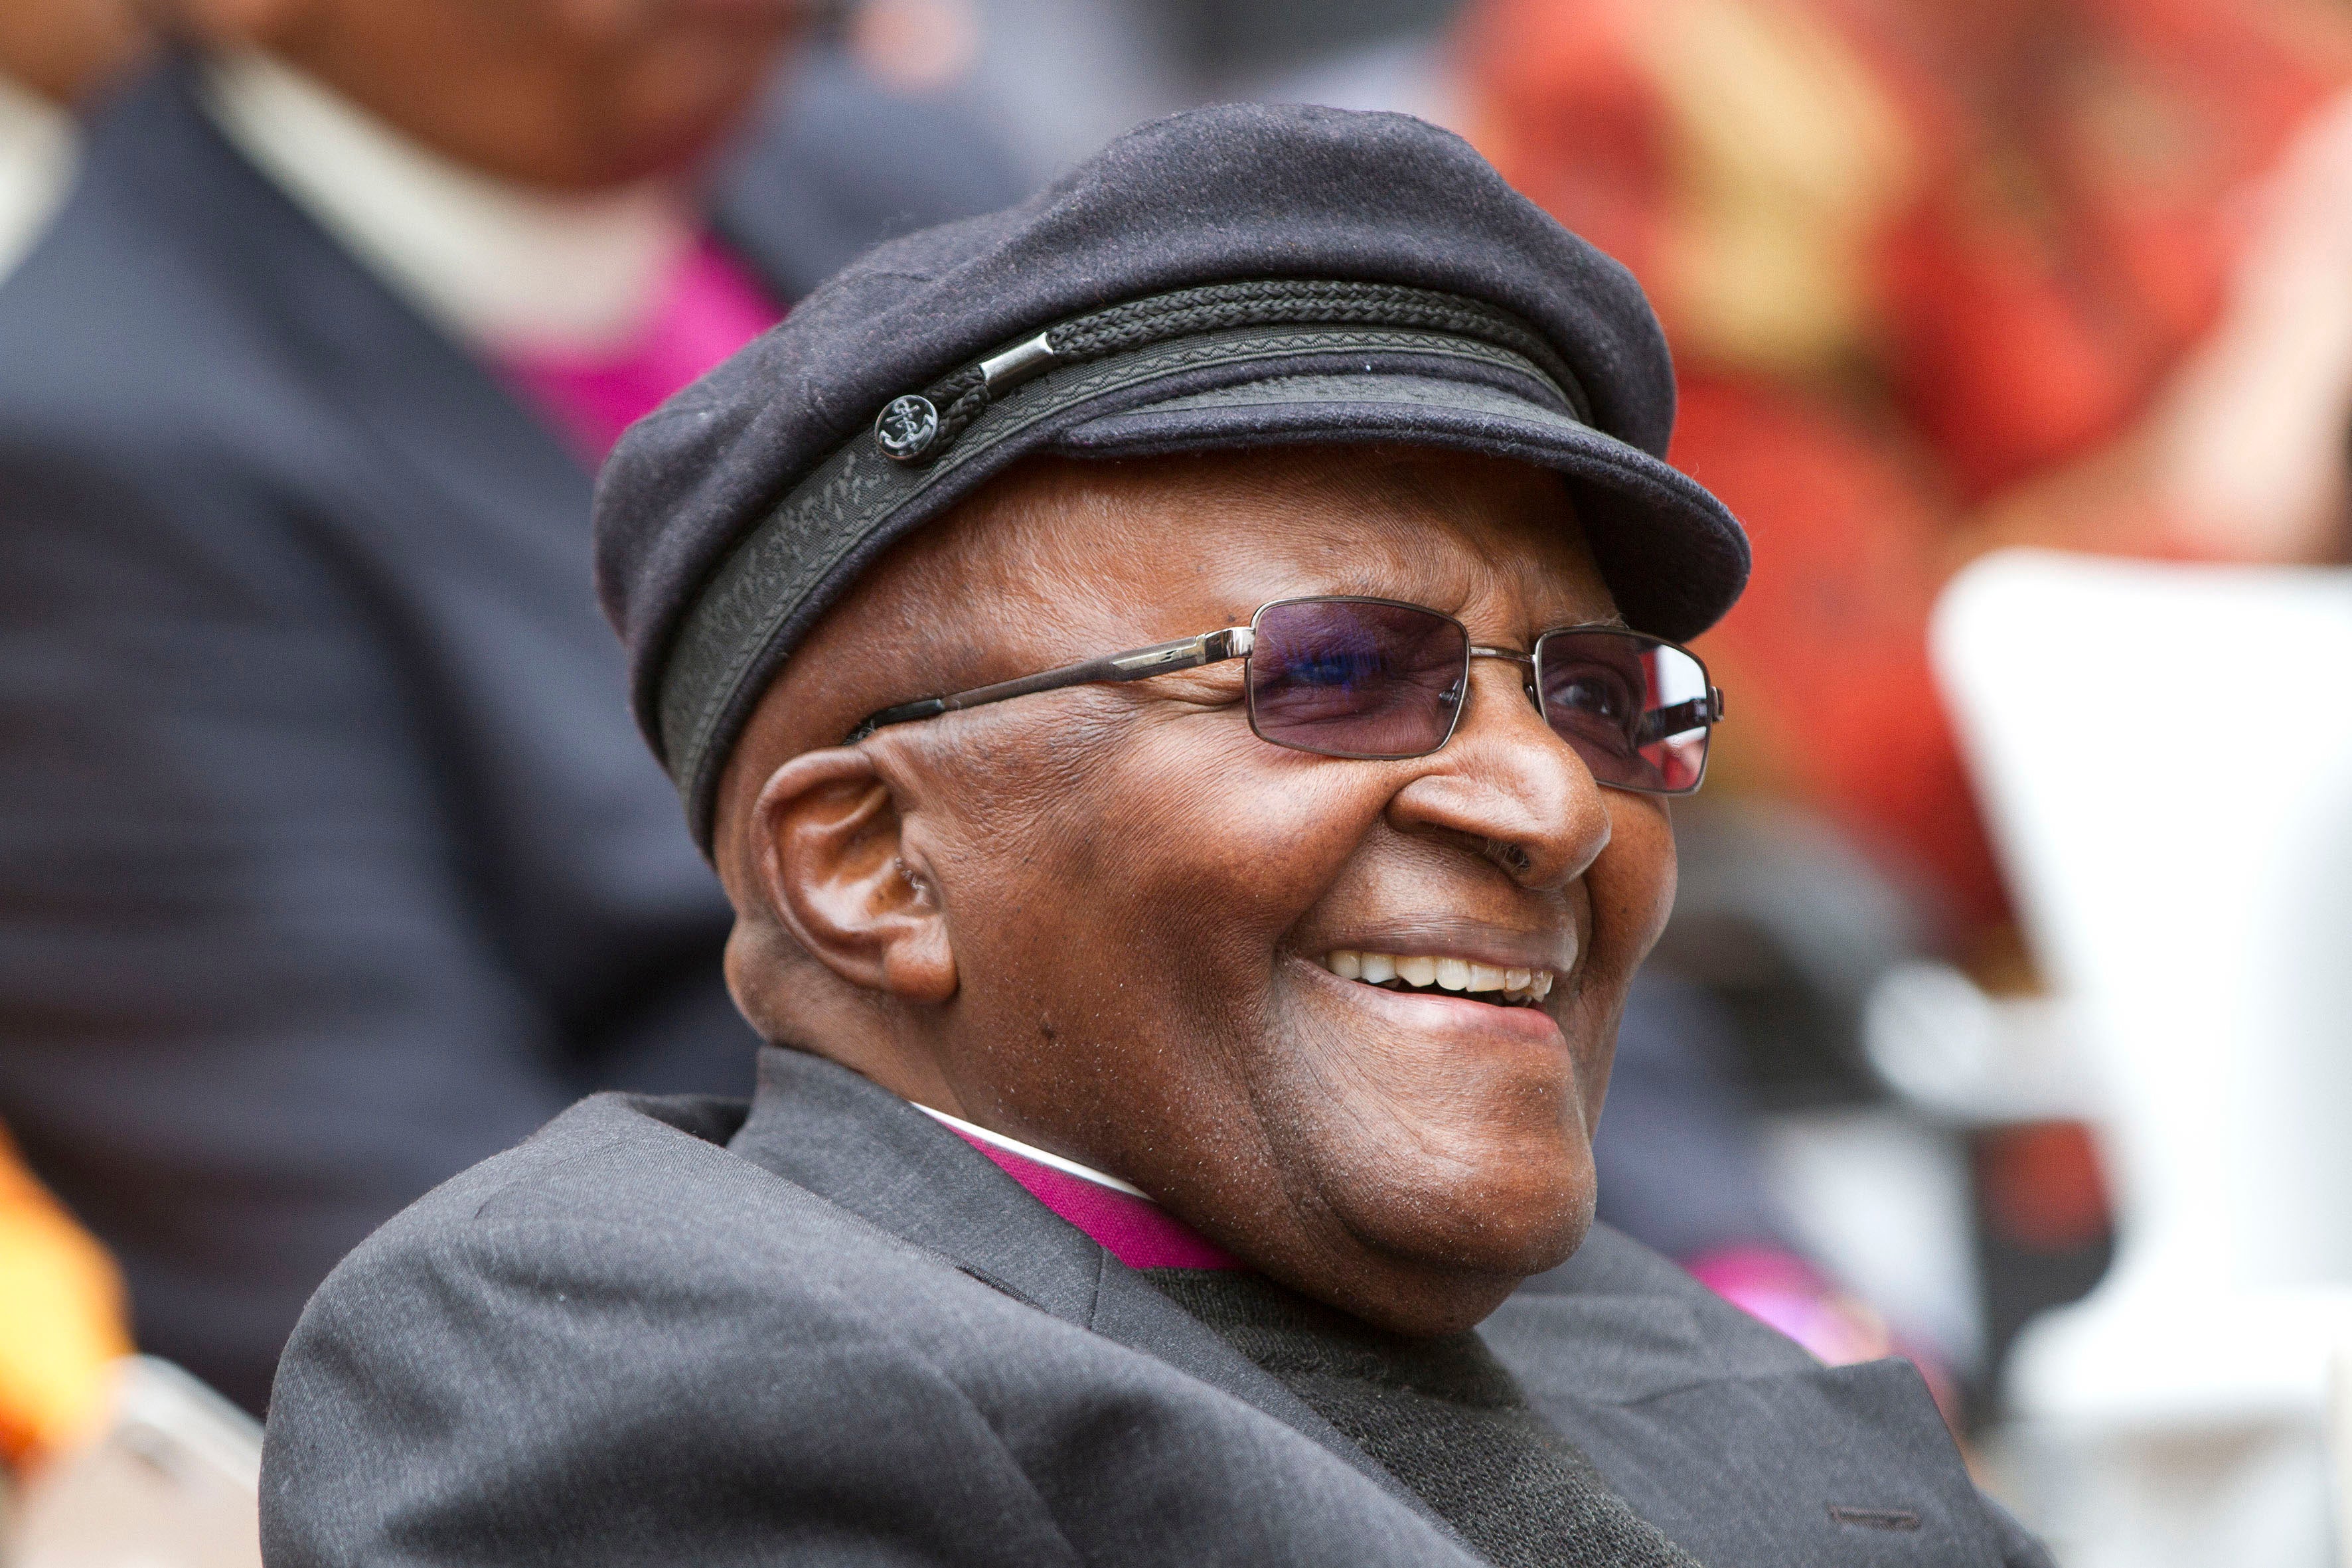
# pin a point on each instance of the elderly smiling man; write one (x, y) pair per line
(1173, 678)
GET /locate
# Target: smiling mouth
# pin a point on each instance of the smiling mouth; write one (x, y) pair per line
(1418, 975)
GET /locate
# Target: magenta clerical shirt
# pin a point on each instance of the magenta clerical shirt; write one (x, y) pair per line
(1129, 1227)
(710, 308)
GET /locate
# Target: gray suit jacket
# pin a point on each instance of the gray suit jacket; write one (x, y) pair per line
(831, 1332)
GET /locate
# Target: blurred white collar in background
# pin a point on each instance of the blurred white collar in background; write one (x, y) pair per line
(37, 161)
(505, 267)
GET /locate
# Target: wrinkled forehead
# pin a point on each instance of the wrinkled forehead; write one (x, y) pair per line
(1153, 545)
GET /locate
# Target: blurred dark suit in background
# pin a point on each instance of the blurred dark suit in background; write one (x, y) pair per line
(330, 862)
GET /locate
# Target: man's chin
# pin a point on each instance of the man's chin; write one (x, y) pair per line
(1436, 1258)
(1492, 1243)
(1427, 1297)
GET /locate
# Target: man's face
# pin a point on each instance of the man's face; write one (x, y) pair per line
(67, 50)
(568, 94)
(1143, 897)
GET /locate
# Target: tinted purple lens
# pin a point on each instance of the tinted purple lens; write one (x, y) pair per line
(1356, 677)
(1634, 707)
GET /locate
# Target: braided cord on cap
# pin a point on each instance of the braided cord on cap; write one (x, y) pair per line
(920, 427)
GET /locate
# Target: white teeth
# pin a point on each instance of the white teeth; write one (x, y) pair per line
(1448, 973)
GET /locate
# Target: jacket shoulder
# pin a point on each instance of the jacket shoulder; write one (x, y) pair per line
(147, 329)
(1731, 1437)
(540, 1360)
(1620, 1321)
(112, 303)
(823, 176)
(611, 1163)
(622, 1343)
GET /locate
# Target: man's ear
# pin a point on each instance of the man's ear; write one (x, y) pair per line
(829, 859)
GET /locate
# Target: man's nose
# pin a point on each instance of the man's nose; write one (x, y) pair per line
(1507, 787)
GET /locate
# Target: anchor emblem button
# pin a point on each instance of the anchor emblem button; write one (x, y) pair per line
(906, 427)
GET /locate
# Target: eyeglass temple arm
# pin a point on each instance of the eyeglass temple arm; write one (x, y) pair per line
(1698, 714)
(1135, 664)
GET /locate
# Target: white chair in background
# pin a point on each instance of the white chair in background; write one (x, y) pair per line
(2339, 1444)
(2165, 754)
(173, 1480)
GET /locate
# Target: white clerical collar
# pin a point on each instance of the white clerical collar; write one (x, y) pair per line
(504, 266)
(1014, 1146)
(37, 162)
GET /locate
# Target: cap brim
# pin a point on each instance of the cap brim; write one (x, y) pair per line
(1672, 555)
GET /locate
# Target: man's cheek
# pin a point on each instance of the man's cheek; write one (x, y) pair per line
(1413, 1153)
(1632, 883)
(1388, 1094)
(1590, 1026)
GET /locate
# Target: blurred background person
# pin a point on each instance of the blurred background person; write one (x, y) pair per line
(330, 862)
(62, 1321)
(53, 55)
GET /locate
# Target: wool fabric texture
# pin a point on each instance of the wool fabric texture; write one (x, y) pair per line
(1442, 1415)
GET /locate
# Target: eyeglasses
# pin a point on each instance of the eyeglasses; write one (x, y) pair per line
(1378, 680)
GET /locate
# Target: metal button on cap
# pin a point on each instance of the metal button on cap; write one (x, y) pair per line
(906, 427)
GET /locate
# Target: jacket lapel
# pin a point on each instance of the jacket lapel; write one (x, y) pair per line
(855, 1144)
(427, 400)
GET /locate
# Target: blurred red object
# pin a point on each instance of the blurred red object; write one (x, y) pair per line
(2041, 1185)
(1916, 261)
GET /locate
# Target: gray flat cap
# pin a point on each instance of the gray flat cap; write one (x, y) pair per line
(1246, 275)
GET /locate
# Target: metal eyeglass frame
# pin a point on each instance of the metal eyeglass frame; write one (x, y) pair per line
(1237, 642)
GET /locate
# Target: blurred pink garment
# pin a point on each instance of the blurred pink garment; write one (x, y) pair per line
(1129, 1225)
(710, 307)
(1786, 1292)
(1789, 1294)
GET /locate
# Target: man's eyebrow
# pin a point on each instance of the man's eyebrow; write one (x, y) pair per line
(1614, 621)
(1363, 582)
(1359, 583)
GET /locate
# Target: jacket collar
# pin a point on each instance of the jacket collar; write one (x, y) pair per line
(36, 156)
(855, 1144)
(358, 344)
(504, 269)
